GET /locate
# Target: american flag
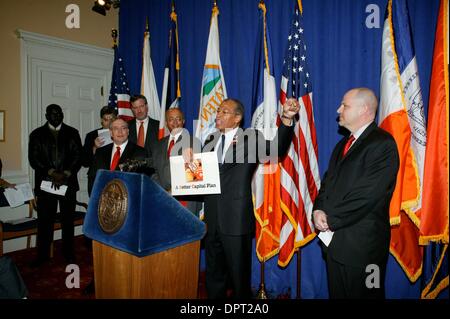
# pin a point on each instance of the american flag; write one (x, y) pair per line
(119, 95)
(300, 179)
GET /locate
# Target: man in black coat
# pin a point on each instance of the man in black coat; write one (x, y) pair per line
(92, 141)
(112, 155)
(143, 129)
(104, 158)
(354, 199)
(230, 215)
(54, 152)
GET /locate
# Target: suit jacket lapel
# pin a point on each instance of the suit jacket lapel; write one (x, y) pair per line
(164, 146)
(108, 157)
(211, 138)
(126, 153)
(359, 140)
(132, 128)
(148, 137)
(232, 149)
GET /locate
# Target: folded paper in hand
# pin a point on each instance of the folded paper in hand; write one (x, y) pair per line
(46, 186)
(326, 236)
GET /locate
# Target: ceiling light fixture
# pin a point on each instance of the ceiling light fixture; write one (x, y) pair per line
(101, 6)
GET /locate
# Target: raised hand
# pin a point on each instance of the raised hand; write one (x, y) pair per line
(290, 108)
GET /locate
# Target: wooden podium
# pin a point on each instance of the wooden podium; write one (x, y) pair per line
(145, 243)
(169, 274)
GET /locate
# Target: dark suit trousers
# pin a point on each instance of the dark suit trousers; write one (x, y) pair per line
(46, 209)
(349, 282)
(228, 259)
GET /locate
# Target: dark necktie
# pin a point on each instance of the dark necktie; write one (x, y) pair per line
(349, 142)
(115, 159)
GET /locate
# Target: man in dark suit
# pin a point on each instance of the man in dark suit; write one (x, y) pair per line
(110, 157)
(92, 141)
(172, 145)
(143, 129)
(229, 216)
(354, 198)
(116, 153)
(54, 152)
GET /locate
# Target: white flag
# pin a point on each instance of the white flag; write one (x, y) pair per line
(148, 83)
(213, 90)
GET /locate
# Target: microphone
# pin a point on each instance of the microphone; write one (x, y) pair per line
(136, 165)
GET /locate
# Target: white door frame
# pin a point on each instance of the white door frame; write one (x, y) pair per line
(39, 53)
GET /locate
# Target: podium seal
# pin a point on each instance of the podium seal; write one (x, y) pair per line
(113, 206)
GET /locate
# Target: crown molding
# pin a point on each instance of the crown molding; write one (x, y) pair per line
(46, 40)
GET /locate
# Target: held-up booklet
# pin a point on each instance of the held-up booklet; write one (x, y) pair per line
(105, 136)
(201, 176)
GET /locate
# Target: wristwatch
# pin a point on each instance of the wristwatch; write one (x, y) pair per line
(291, 120)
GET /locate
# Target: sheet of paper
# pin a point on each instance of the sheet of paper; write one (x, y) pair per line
(46, 186)
(19, 195)
(199, 177)
(105, 136)
(326, 236)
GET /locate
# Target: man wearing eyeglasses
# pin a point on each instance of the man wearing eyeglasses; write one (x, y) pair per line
(172, 145)
(229, 216)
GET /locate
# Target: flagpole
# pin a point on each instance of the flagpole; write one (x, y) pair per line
(262, 290)
(114, 36)
(299, 274)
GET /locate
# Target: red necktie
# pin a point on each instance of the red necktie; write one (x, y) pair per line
(115, 159)
(350, 140)
(171, 144)
(140, 138)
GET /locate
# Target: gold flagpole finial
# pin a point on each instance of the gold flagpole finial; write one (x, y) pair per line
(262, 6)
(114, 36)
(173, 14)
(215, 3)
(146, 24)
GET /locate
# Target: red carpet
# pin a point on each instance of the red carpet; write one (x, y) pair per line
(49, 281)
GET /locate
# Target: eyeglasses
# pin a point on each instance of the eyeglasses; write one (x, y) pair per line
(224, 112)
(178, 119)
(119, 128)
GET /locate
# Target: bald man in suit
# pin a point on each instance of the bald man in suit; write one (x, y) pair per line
(354, 199)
